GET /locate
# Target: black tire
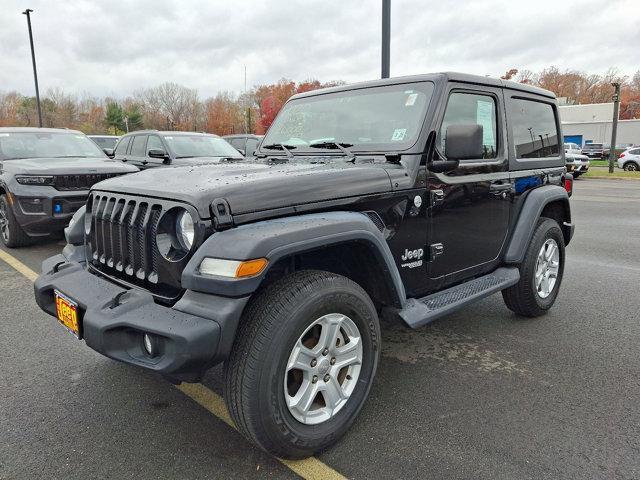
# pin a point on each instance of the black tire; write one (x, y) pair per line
(523, 298)
(254, 372)
(631, 167)
(11, 235)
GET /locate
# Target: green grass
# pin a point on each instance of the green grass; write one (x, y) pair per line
(617, 173)
(599, 163)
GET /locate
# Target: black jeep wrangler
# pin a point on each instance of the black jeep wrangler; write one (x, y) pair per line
(409, 198)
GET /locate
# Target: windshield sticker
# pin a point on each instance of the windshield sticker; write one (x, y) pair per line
(398, 134)
(411, 100)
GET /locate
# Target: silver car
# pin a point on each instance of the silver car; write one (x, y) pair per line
(576, 164)
(629, 160)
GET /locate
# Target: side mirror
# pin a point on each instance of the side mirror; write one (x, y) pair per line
(108, 152)
(158, 153)
(464, 142)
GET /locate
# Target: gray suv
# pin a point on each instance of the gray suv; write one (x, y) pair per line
(151, 148)
(45, 176)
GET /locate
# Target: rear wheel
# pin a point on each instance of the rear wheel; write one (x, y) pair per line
(303, 363)
(540, 272)
(11, 234)
(631, 167)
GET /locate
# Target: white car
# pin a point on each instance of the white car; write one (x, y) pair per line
(629, 160)
(572, 148)
(576, 164)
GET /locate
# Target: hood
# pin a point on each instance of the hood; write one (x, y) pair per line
(66, 166)
(251, 187)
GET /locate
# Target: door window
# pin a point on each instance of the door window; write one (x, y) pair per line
(154, 143)
(121, 148)
(238, 143)
(535, 132)
(472, 109)
(137, 146)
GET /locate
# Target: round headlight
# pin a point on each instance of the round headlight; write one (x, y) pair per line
(185, 230)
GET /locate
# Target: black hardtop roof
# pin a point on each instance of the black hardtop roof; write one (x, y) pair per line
(38, 130)
(442, 76)
(169, 132)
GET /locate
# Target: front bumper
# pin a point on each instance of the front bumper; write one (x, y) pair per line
(43, 212)
(113, 321)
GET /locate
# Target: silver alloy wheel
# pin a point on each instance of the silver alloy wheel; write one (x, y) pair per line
(4, 223)
(547, 268)
(323, 369)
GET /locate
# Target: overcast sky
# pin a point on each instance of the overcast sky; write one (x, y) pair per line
(113, 47)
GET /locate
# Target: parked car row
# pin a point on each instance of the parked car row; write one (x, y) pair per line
(46, 173)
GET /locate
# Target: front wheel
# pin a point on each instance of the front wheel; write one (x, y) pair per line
(303, 363)
(540, 272)
(11, 234)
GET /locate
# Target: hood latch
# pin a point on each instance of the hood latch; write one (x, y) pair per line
(221, 213)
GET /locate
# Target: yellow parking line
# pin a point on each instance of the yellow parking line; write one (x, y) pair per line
(309, 469)
(18, 266)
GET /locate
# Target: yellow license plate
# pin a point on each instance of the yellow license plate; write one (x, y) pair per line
(67, 312)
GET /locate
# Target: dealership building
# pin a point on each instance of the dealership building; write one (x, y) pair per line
(592, 123)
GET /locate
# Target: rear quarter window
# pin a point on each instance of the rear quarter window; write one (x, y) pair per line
(535, 130)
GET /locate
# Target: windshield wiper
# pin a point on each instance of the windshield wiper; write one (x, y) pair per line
(337, 145)
(280, 146)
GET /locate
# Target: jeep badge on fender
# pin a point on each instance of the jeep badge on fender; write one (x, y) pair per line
(280, 266)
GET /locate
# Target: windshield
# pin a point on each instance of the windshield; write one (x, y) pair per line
(14, 145)
(184, 146)
(370, 119)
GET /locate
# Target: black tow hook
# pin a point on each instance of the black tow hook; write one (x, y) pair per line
(56, 267)
(116, 300)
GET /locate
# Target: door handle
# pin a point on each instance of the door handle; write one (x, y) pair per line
(500, 187)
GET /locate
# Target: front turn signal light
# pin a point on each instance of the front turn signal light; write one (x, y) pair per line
(220, 267)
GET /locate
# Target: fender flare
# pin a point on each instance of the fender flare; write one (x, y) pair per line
(531, 210)
(279, 238)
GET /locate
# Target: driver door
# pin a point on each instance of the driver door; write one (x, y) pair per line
(470, 206)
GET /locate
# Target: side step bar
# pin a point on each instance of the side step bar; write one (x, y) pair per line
(419, 312)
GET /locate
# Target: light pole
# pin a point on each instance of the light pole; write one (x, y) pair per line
(33, 59)
(614, 129)
(386, 37)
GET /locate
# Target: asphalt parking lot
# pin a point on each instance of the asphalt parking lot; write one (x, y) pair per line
(480, 394)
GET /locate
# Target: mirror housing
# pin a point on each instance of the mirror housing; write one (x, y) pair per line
(108, 152)
(158, 153)
(464, 142)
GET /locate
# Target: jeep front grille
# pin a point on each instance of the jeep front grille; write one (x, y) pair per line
(122, 242)
(80, 182)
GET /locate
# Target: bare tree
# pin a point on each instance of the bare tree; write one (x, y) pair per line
(172, 102)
